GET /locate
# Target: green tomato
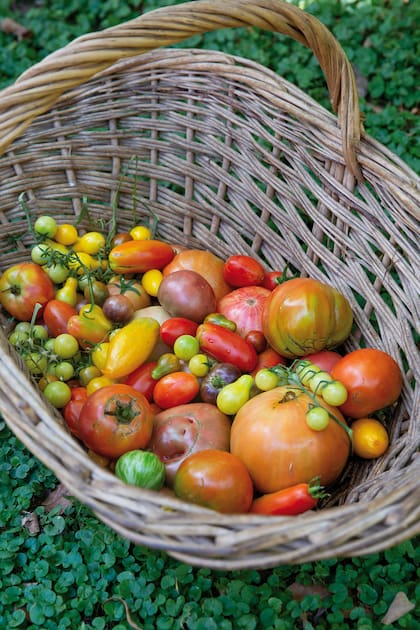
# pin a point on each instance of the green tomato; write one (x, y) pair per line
(23, 327)
(66, 346)
(266, 379)
(185, 347)
(16, 338)
(58, 273)
(335, 393)
(319, 381)
(45, 226)
(64, 371)
(39, 332)
(317, 418)
(57, 393)
(36, 363)
(141, 468)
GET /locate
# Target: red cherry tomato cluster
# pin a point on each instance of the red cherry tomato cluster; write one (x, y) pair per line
(165, 362)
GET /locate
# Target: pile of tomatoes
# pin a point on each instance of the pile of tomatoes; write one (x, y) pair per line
(215, 379)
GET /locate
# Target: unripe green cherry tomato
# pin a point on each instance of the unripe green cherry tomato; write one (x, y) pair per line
(266, 379)
(317, 418)
(185, 347)
(45, 226)
(334, 393)
(66, 346)
(57, 393)
(199, 365)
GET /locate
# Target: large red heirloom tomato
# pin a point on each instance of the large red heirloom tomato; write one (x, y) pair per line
(302, 316)
(244, 306)
(271, 436)
(22, 286)
(115, 419)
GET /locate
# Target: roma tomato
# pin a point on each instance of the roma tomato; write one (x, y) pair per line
(115, 419)
(203, 262)
(141, 379)
(245, 306)
(215, 479)
(22, 286)
(227, 346)
(71, 411)
(291, 451)
(174, 327)
(243, 271)
(289, 501)
(272, 279)
(372, 378)
(303, 316)
(140, 256)
(176, 388)
(56, 314)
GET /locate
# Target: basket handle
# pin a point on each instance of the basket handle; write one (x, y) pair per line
(37, 89)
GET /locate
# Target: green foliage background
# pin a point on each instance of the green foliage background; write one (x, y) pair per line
(76, 572)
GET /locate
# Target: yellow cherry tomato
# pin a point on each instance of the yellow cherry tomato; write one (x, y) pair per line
(151, 280)
(90, 243)
(66, 234)
(141, 233)
(97, 383)
(199, 365)
(82, 261)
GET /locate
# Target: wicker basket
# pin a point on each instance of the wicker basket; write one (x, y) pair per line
(234, 159)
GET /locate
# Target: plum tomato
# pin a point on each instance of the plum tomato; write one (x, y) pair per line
(215, 479)
(174, 327)
(243, 271)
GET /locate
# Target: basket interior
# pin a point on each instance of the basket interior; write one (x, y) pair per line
(232, 158)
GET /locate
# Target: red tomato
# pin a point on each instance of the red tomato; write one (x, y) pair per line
(372, 378)
(215, 479)
(325, 359)
(56, 314)
(270, 434)
(142, 380)
(227, 346)
(243, 271)
(268, 358)
(289, 501)
(257, 339)
(244, 306)
(272, 279)
(176, 388)
(115, 419)
(174, 327)
(22, 286)
(71, 411)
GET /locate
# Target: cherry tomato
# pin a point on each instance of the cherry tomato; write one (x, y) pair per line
(325, 359)
(57, 393)
(151, 281)
(268, 358)
(317, 418)
(66, 234)
(121, 237)
(115, 419)
(141, 233)
(272, 279)
(215, 479)
(176, 388)
(257, 339)
(174, 327)
(66, 346)
(243, 271)
(186, 346)
(46, 226)
(199, 365)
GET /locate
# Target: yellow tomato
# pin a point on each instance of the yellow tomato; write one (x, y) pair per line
(141, 233)
(99, 355)
(151, 280)
(90, 243)
(370, 438)
(82, 261)
(66, 234)
(97, 383)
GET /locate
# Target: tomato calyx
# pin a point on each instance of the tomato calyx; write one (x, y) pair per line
(316, 490)
(124, 409)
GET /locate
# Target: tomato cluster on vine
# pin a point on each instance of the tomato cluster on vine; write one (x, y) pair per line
(175, 367)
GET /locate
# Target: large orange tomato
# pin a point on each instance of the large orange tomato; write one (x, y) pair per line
(372, 378)
(271, 436)
(203, 262)
(302, 316)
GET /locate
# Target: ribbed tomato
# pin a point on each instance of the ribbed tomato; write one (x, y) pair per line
(303, 316)
(244, 306)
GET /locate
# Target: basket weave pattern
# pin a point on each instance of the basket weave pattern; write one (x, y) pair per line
(231, 158)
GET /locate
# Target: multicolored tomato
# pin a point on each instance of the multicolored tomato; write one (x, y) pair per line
(22, 286)
(243, 271)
